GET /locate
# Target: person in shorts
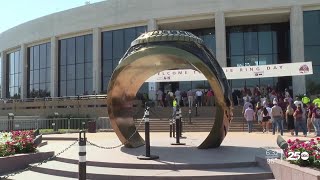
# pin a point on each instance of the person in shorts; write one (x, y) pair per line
(265, 120)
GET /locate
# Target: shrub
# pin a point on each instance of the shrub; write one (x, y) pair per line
(16, 142)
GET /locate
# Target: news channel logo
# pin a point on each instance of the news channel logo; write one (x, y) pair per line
(296, 155)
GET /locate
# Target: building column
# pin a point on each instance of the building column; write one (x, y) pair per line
(97, 60)
(297, 47)
(152, 25)
(3, 75)
(152, 86)
(24, 73)
(220, 34)
(54, 67)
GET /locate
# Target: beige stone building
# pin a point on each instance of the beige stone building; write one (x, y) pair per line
(74, 52)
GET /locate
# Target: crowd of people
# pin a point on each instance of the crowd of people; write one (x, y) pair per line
(188, 98)
(274, 110)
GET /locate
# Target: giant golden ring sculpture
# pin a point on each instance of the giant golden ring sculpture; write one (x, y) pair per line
(151, 53)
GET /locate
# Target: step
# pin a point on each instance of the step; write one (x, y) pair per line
(57, 169)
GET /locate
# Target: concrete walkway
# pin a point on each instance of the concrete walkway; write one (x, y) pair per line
(236, 156)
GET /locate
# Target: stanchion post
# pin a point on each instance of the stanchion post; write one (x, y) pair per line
(148, 156)
(82, 156)
(180, 118)
(170, 127)
(189, 115)
(174, 126)
(178, 122)
(197, 109)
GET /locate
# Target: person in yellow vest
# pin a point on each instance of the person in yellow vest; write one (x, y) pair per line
(317, 101)
(305, 99)
(174, 105)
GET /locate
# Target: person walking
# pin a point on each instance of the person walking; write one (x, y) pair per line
(310, 121)
(210, 95)
(265, 120)
(249, 115)
(277, 116)
(190, 98)
(174, 107)
(246, 105)
(178, 96)
(290, 119)
(316, 118)
(299, 122)
(259, 113)
(160, 98)
(199, 97)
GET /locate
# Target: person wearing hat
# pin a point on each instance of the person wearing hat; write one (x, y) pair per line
(249, 115)
(277, 116)
(305, 99)
(317, 100)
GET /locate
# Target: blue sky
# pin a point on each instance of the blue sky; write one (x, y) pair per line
(15, 12)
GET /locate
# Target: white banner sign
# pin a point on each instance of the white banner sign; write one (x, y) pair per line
(244, 72)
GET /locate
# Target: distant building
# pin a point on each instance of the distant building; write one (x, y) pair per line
(74, 52)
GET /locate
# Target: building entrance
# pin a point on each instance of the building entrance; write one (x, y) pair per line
(169, 86)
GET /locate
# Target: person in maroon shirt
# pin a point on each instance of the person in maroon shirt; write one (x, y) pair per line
(299, 122)
(310, 121)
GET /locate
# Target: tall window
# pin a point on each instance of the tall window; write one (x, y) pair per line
(14, 75)
(75, 66)
(257, 45)
(39, 68)
(114, 45)
(0, 77)
(208, 37)
(311, 29)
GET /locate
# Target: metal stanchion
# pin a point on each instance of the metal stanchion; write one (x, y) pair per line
(178, 122)
(197, 109)
(189, 115)
(82, 156)
(174, 126)
(170, 127)
(148, 156)
(180, 117)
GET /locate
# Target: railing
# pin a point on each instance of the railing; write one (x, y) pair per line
(55, 124)
(82, 97)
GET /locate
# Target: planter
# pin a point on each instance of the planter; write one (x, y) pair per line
(21, 161)
(283, 170)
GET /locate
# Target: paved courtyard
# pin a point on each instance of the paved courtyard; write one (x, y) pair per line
(238, 147)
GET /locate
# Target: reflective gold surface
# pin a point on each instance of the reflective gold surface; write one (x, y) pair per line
(145, 61)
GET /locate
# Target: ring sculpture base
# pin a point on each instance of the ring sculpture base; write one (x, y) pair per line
(151, 53)
(151, 157)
